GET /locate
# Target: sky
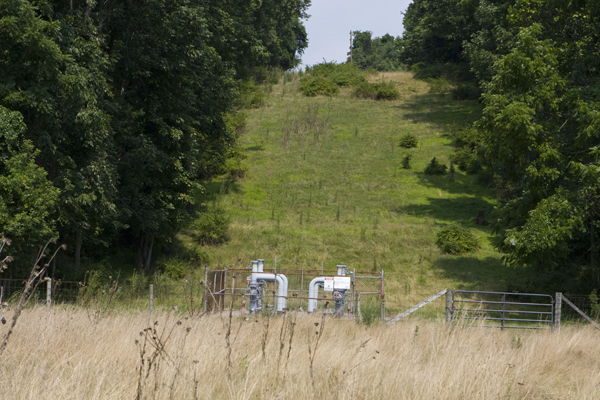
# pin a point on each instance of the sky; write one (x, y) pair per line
(331, 21)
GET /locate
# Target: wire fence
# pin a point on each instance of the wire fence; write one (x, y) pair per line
(584, 303)
(229, 289)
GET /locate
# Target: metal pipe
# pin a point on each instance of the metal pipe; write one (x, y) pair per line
(261, 265)
(282, 285)
(313, 292)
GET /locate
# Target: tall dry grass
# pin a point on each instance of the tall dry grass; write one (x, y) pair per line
(62, 355)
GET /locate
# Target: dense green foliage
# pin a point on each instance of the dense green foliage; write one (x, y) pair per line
(456, 239)
(123, 108)
(469, 144)
(536, 64)
(341, 74)
(435, 167)
(317, 85)
(376, 91)
(380, 53)
(408, 141)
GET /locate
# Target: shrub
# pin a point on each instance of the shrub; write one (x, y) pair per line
(467, 160)
(370, 311)
(137, 284)
(406, 162)
(466, 92)
(365, 91)
(251, 95)
(340, 74)
(211, 226)
(376, 91)
(438, 85)
(175, 268)
(417, 67)
(468, 141)
(425, 72)
(456, 239)
(435, 168)
(317, 85)
(408, 141)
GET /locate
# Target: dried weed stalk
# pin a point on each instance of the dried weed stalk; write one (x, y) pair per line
(312, 352)
(152, 349)
(38, 271)
(97, 296)
(292, 324)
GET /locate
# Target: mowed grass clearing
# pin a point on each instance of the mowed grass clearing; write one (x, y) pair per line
(324, 180)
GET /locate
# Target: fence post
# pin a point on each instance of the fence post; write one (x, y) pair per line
(557, 311)
(301, 287)
(205, 287)
(151, 299)
(358, 314)
(353, 288)
(382, 295)
(449, 307)
(48, 293)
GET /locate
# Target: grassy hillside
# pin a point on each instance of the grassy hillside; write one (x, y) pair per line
(324, 180)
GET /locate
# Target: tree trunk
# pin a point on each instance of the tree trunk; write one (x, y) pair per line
(144, 254)
(78, 240)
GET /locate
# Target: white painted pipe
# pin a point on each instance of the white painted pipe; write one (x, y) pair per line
(261, 265)
(313, 292)
(254, 270)
(282, 284)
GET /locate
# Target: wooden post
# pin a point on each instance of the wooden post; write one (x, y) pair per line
(205, 287)
(48, 293)
(151, 299)
(557, 311)
(382, 295)
(301, 286)
(449, 307)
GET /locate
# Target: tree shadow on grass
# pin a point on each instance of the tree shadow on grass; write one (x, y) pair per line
(479, 273)
(458, 209)
(460, 184)
(440, 110)
(215, 188)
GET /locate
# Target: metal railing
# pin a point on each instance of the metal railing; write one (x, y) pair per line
(525, 311)
(228, 287)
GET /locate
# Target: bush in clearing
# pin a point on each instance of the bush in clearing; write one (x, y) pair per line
(317, 85)
(456, 239)
(210, 228)
(408, 141)
(438, 85)
(406, 162)
(435, 168)
(340, 74)
(376, 91)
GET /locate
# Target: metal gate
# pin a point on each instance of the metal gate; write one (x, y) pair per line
(505, 310)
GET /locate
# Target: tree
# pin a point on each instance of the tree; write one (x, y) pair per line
(380, 53)
(27, 197)
(541, 131)
(434, 31)
(124, 102)
(52, 71)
